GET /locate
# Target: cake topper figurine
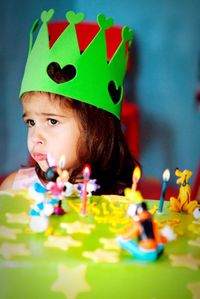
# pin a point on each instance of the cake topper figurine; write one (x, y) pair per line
(166, 177)
(41, 209)
(57, 178)
(92, 186)
(183, 202)
(196, 212)
(48, 199)
(149, 243)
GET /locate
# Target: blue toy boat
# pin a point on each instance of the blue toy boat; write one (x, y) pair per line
(133, 248)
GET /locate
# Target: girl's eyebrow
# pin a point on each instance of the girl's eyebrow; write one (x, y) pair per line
(45, 114)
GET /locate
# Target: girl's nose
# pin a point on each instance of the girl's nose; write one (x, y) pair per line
(37, 136)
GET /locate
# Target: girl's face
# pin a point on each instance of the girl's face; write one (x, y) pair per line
(52, 129)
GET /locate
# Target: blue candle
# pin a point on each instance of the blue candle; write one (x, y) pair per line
(166, 176)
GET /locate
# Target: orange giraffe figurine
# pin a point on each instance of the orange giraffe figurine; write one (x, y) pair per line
(183, 202)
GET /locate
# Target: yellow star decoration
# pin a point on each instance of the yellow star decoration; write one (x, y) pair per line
(196, 222)
(8, 250)
(77, 227)
(110, 243)
(22, 218)
(102, 256)
(9, 233)
(194, 287)
(173, 221)
(62, 242)
(194, 228)
(71, 281)
(195, 242)
(153, 210)
(112, 198)
(186, 260)
(74, 205)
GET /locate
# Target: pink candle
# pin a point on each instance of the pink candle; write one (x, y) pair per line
(86, 178)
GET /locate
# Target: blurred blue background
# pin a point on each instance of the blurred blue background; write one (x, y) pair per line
(163, 83)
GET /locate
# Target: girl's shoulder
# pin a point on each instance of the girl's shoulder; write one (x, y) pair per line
(8, 181)
(21, 179)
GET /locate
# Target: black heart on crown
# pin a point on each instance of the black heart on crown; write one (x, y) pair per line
(114, 92)
(59, 75)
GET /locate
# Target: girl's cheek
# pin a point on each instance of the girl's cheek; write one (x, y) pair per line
(29, 143)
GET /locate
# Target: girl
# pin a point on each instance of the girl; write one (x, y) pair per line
(83, 133)
(59, 124)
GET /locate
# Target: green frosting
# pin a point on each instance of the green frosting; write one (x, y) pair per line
(34, 270)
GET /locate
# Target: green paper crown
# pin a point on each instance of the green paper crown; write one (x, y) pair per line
(87, 76)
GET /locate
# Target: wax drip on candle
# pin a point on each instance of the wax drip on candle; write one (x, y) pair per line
(166, 177)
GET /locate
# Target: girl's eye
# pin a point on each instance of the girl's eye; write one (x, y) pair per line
(30, 123)
(52, 121)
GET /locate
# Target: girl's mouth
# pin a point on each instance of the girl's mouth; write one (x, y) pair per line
(39, 156)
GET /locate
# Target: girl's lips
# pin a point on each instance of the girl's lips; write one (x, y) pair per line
(39, 156)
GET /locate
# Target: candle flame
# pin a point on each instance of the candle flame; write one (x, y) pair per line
(86, 171)
(136, 174)
(51, 161)
(166, 175)
(61, 162)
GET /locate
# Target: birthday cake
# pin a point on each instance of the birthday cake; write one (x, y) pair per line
(79, 256)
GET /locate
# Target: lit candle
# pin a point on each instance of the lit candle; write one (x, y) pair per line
(86, 178)
(61, 162)
(166, 176)
(136, 177)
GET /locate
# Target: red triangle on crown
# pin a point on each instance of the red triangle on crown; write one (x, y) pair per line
(86, 32)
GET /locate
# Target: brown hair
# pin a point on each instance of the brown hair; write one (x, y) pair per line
(107, 152)
(102, 145)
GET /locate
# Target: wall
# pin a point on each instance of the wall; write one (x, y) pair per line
(163, 82)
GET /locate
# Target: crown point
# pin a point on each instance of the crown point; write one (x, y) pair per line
(74, 18)
(103, 22)
(33, 28)
(127, 33)
(35, 25)
(47, 15)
